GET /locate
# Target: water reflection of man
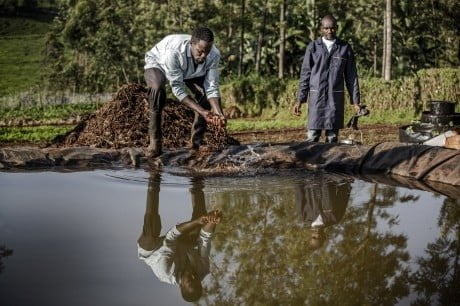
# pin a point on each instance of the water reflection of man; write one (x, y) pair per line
(322, 206)
(181, 257)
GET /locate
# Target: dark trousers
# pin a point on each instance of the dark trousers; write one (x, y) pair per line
(150, 237)
(331, 135)
(156, 82)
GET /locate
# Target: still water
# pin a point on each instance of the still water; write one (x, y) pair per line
(72, 239)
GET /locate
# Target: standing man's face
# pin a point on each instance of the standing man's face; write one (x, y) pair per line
(328, 29)
(200, 50)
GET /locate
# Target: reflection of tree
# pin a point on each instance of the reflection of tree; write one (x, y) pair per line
(4, 252)
(438, 278)
(264, 258)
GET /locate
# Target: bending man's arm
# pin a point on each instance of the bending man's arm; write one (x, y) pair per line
(175, 75)
(211, 88)
(204, 240)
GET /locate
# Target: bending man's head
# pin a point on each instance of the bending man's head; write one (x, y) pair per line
(329, 27)
(190, 286)
(201, 44)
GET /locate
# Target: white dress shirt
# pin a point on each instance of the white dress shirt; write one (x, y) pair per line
(164, 260)
(173, 56)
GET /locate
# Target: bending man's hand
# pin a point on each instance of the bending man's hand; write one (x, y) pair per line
(216, 108)
(214, 216)
(215, 119)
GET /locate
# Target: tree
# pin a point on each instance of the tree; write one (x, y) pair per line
(388, 40)
(438, 279)
(262, 256)
(282, 39)
(240, 63)
(94, 46)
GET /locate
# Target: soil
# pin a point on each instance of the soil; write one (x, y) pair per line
(123, 122)
(372, 134)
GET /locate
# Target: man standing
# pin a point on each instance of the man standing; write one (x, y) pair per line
(328, 64)
(321, 205)
(184, 60)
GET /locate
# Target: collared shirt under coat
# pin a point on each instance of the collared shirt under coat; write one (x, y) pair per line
(322, 80)
(173, 56)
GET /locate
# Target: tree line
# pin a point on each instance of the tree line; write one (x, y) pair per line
(96, 45)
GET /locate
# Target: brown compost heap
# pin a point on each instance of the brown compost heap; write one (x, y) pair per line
(123, 122)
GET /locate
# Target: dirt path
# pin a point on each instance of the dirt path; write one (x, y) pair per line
(372, 133)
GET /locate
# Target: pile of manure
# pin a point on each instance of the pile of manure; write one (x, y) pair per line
(123, 122)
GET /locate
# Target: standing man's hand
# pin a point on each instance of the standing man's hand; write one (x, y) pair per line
(356, 107)
(296, 109)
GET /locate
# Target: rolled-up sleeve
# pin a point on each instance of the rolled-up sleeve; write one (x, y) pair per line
(175, 75)
(211, 81)
(171, 238)
(204, 243)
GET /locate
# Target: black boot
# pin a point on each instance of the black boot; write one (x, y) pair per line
(155, 146)
(198, 130)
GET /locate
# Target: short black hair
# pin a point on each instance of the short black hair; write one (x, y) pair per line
(329, 17)
(192, 291)
(202, 33)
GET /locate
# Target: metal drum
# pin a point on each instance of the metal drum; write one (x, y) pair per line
(442, 107)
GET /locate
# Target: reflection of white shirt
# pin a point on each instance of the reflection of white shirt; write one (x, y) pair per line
(318, 222)
(163, 261)
(328, 43)
(173, 56)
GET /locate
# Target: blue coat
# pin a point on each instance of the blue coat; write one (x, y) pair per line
(322, 79)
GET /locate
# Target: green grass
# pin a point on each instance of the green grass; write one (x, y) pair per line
(377, 117)
(62, 111)
(236, 125)
(32, 134)
(285, 119)
(389, 117)
(21, 44)
(46, 133)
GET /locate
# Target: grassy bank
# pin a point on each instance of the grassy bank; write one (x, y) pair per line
(31, 134)
(45, 112)
(21, 45)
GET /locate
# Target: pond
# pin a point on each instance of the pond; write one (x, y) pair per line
(71, 238)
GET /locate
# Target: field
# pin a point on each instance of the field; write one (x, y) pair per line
(21, 43)
(31, 114)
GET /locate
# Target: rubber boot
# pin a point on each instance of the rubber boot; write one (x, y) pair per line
(155, 146)
(198, 130)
